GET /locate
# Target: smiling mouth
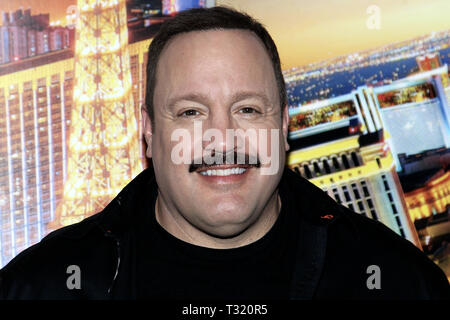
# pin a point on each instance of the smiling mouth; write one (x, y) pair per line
(226, 168)
(223, 171)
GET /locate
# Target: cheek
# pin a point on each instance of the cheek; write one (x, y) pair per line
(272, 152)
(163, 144)
(173, 156)
(161, 147)
(270, 141)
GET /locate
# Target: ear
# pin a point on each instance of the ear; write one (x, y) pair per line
(147, 130)
(285, 126)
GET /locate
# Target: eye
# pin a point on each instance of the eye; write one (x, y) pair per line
(189, 113)
(248, 110)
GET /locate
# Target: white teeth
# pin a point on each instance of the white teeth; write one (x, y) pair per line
(225, 172)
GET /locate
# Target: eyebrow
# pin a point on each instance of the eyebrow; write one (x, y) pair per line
(202, 98)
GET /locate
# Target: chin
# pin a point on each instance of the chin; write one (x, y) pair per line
(228, 212)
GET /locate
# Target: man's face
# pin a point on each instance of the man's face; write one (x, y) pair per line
(219, 79)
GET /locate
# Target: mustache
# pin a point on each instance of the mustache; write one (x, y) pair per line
(217, 158)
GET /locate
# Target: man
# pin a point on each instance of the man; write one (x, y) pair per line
(201, 224)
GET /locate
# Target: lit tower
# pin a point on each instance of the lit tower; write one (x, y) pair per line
(103, 145)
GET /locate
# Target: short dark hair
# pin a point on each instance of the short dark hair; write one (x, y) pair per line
(215, 18)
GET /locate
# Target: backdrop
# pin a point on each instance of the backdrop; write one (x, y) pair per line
(368, 94)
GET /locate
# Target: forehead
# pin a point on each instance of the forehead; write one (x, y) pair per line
(215, 62)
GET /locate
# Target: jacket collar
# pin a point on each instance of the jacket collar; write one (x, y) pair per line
(126, 208)
(314, 204)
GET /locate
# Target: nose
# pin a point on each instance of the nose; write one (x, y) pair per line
(218, 132)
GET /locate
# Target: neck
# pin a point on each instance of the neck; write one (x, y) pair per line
(179, 227)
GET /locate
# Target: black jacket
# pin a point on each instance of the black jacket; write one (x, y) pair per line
(335, 248)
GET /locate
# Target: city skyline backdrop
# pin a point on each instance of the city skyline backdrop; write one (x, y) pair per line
(329, 28)
(357, 121)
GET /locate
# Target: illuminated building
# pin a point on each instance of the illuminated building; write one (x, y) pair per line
(23, 35)
(428, 62)
(432, 198)
(36, 102)
(33, 107)
(353, 145)
(170, 7)
(340, 146)
(415, 110)
(4, 44)
(103, 147)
